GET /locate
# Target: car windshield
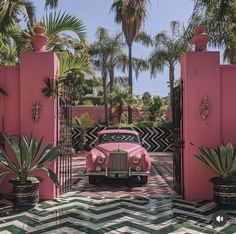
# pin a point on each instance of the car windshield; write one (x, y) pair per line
(117, 137)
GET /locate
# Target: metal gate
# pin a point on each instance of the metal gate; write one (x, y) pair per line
(65, 139)
(178, 139)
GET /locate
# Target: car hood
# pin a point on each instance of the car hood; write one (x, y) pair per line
(127, 147)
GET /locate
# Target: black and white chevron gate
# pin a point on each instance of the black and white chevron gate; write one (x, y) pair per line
(154, 139)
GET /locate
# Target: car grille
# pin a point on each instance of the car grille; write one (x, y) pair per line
(118, 161)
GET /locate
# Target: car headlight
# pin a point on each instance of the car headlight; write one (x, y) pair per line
(136, 159)
(101, 159)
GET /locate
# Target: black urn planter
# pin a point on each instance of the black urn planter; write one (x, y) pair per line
(224, 191)
(25, 193)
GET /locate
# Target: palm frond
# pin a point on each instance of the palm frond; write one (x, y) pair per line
(56, 22)
(51, 4)
(50, 90)
(144, 38)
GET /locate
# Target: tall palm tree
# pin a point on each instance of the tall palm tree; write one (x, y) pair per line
(107, 50)
(131, 14)
(168, 49)
(100, 50)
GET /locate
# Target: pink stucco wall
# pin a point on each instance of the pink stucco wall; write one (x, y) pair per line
(23, 84)
(204, 76)
(227, 100)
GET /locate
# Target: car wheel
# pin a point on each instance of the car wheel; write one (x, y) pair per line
(92, 179)
(143, 180)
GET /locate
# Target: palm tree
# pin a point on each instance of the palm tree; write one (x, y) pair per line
(168, 50)
(131, 14)
(100, 52)
(54, 23)
(121, 98)
(107, 51)
(12, 10)
(57, 22)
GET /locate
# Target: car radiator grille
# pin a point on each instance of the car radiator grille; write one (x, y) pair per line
(118, 161)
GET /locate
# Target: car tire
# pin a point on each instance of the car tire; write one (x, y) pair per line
(92, 180)
(143, 180)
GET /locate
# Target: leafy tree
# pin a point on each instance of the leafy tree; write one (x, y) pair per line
(155, 108)
(219, 16)
(147, 98)
(131, 14)
(12, 10)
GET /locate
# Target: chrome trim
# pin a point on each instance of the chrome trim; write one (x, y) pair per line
(118, 161)
(129, 173)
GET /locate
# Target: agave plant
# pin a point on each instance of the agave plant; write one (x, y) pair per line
(221, 160)
(27, 158)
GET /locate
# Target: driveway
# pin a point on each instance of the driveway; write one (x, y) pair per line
(120, 207)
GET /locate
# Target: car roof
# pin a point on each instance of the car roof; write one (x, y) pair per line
(109, 131)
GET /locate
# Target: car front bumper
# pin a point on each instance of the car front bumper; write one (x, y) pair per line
(121, 174)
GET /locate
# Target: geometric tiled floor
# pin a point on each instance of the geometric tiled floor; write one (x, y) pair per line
(111, 211)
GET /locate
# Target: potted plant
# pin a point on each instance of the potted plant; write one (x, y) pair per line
(221, 160)
(27, 157)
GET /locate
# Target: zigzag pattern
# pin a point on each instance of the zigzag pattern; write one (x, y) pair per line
(77, 214)
(98, 213)
(154, 139)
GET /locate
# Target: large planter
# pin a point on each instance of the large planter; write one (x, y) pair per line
(224, 191)
(25, 193)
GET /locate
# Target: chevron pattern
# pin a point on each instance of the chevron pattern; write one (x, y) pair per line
(103, 209)
(79, 214)
(154, 139)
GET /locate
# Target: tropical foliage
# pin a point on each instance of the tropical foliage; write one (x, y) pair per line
(168, 50)
(221, 160)
(83, 122)
(121, 98)
(219, 18)
(130, 14)
(108, 54)
(28, 158)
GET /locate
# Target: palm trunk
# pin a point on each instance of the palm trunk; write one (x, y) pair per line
(104, 79)
(119, 111)
(111, 75)
(171, 80)
(130, 119)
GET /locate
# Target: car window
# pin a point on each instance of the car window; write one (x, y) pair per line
(118, 137)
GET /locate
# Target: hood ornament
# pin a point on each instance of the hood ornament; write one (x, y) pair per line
(118, 148)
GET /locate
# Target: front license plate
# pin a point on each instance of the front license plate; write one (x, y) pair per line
(117, 175)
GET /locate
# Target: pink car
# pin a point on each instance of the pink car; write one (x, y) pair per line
(118, 154)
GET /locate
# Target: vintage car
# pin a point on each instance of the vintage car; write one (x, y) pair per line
(118, 154)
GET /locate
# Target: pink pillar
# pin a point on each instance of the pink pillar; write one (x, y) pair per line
(9, 110)
(35, 66)
(201, 78)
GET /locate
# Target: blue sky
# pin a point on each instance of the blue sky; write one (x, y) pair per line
(95, 13)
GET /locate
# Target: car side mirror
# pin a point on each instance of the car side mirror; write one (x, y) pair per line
(142, 142)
